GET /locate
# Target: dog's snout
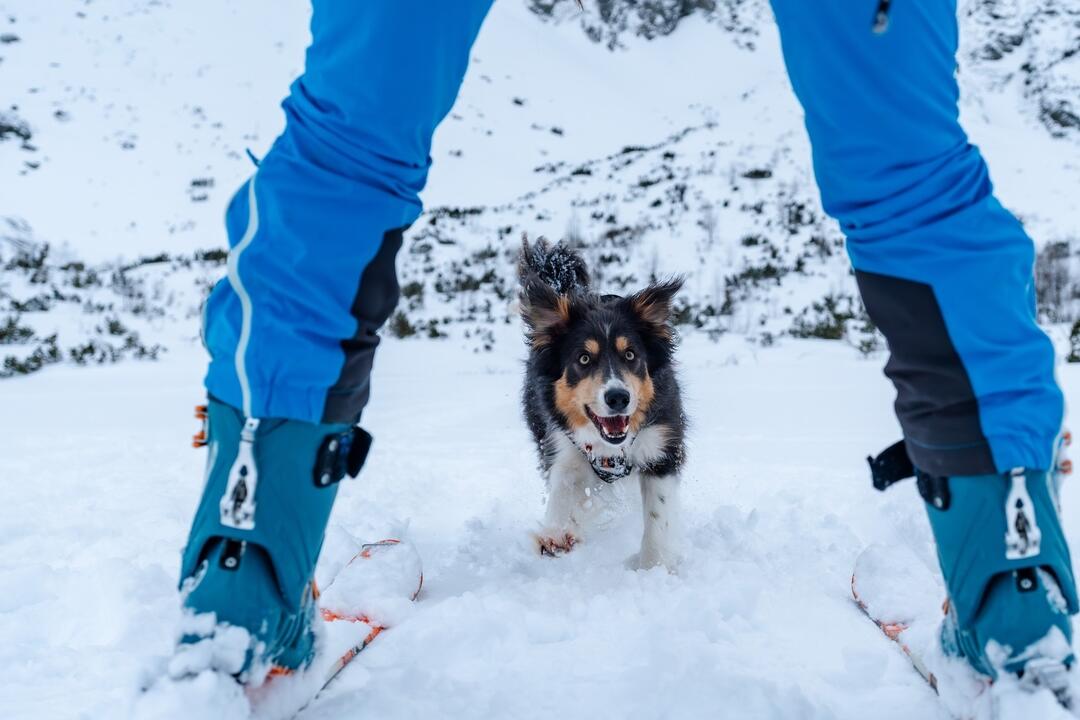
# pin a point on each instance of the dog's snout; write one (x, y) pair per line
(618, 399)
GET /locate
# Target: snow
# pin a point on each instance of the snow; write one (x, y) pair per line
(758, 623)
(207, 695)
(98, 482)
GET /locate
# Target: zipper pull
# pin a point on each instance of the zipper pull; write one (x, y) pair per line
(881, 17)
(238, 501)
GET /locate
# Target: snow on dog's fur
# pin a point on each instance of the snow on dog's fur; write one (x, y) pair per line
(601, 397)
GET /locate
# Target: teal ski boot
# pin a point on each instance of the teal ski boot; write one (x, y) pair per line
(247, 570)
(1008, 573)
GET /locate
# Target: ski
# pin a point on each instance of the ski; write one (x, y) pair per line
(892, 587)
(369, 553)
(351, 653)
(893, 630)
(356, 607)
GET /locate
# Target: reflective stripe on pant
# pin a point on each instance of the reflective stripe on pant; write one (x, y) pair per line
(945, 271)
(313, 235)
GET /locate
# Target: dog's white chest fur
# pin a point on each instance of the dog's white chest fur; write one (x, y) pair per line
(575, 492)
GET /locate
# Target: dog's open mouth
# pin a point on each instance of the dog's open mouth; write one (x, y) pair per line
(612, 427)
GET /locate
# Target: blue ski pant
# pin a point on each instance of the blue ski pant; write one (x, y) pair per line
(945, 271)
(314, 233)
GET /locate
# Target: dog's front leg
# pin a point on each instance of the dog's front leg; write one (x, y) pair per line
(660, 507)
(567, 505)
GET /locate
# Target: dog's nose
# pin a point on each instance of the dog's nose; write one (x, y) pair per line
(617, 399)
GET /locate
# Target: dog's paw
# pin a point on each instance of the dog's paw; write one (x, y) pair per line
(647, 560)
(555, 543)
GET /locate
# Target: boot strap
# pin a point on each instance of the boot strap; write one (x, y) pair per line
(893, 465)
(340, 455)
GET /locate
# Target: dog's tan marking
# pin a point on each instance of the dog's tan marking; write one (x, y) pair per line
(655, 312)
(571, 401)
(546, 322)
(645, 392)
(592, 346)
(563, 308)
(622, 343)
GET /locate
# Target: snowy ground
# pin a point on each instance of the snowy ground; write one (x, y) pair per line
(100, 482)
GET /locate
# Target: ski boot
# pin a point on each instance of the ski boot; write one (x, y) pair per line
(247, 570)
(1008, 573)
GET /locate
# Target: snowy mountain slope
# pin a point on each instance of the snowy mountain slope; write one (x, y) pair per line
(1033, 47)
(130, 105)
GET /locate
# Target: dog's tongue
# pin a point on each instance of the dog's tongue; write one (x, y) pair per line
(616, 424)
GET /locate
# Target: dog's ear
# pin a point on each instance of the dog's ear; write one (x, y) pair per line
(546, 313)
(652, 307)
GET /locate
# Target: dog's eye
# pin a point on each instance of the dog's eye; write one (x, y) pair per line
(629, 355)
(585, 359)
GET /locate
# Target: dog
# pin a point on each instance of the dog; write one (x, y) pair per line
(601, 398)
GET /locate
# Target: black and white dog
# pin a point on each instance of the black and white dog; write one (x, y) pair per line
(601, 397)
